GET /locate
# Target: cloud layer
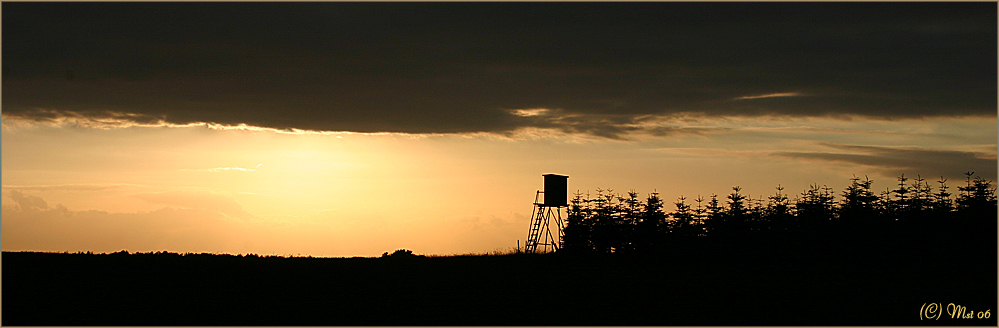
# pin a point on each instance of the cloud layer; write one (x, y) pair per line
(210, 201)
(893, 161)
(480, 67)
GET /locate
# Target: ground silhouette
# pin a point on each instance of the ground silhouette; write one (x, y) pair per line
(765, 284)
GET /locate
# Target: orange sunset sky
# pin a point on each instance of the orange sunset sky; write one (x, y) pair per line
(353, 129)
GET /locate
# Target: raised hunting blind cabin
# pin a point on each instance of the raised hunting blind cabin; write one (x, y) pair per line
(548, 204)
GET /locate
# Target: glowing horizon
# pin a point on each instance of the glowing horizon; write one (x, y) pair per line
(251, 191)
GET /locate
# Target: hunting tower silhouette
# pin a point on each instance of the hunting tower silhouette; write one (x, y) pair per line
(547, 213)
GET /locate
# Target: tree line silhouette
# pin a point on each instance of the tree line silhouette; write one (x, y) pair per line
(611, 223)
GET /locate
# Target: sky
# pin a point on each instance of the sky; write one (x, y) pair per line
(354, 129)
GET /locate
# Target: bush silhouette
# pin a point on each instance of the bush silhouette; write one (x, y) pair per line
(400, 253)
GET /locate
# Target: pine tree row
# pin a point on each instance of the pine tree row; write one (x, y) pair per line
(608, 222)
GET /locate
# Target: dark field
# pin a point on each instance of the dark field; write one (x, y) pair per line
(775, 284)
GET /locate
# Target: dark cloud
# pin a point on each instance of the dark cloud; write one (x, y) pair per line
(26, 202)
(34, 204)
(462, 67)
(895, 161)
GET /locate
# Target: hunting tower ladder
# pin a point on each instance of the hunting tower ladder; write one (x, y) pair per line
(547, 213)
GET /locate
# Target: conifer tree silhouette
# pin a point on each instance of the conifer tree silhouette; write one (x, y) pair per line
(683, 225)
(714, 217)
(736, 220)
(778, 212)
(942, 205)
(976, 206)
(700, 214)
(609, 223)
(977, 196)
(651, 227)
(577, 229)
(859, 207)
(605, 223)
(921, 193)
(814, 210)
(898, 204)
